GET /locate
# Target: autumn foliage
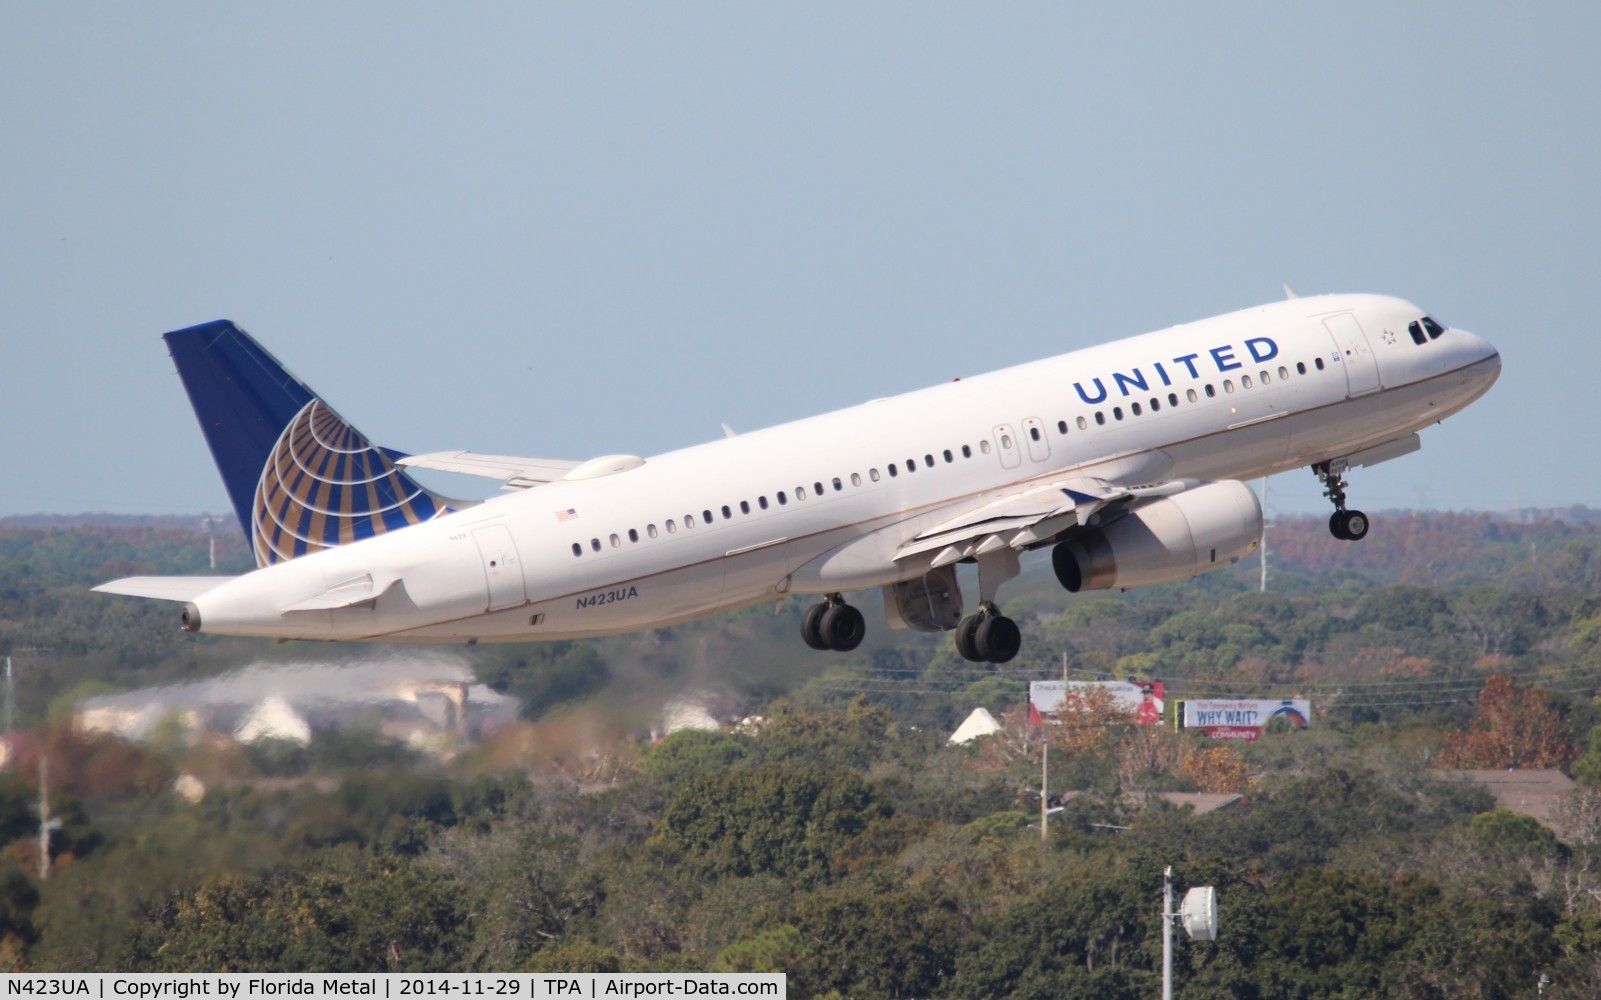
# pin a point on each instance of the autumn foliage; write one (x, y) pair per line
(1513, 727)
(1217, 769)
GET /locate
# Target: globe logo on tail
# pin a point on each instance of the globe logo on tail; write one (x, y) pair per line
(324, 484)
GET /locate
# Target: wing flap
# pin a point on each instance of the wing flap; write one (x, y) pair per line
(163, 588)
(514, 472)
(1019, 520)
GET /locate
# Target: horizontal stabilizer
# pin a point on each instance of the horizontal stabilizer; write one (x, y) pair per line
(515, 473)
(163, 588)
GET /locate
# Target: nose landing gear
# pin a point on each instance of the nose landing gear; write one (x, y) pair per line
(1346, 525)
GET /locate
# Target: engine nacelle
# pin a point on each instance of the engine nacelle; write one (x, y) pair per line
(1177, 538)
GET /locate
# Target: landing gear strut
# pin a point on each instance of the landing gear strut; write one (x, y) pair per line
(833, 625)
(1347, 525)
(988, 637)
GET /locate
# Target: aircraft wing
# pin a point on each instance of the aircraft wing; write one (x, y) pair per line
(514, 472)
(163, 588)
(1028, 517)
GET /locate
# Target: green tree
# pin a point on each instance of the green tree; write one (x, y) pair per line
(773, 819)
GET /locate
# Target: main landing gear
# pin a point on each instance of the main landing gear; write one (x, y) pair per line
(1347, 525)
(833, 625)
(989, 636)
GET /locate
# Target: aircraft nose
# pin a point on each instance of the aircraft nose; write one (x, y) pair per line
(1480, 361)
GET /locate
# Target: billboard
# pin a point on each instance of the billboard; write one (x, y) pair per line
(1145, 699)
(1242, 718)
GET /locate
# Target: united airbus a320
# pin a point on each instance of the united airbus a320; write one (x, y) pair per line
(1125, 462)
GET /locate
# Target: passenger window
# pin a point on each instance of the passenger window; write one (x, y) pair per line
(1033, 433)
(928, 460)
(967, 452)
(1191, 396)
(1156, 404)
(817, 489)
(1318, 362)
(838, 485)
(892, 472)
(706, 516)
(1134, 408)
(984, 446)
(1228, 385)
(761, 502)
(800, 493)
(616, 542)
(1263, 376)
(1083, 424)
(689, 521)
(911, 465)
(782, 500)
(672, 529)
(1245, 381)
(633, 536)
(1300, 367)
(1117, 413)
(1061, 427)
(578, 550)
(1100, 419)
(1006, 441)
(1172, 399)
(872, 474)
(726, 512)
(594, 543)
(1284, 373)
(856, 479)
(949, 458)
(1210, 392)
(744, 506)
(650, 529)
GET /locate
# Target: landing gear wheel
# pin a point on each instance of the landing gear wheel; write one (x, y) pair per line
(1346, 525)
(812, 627)
(967, 638)
(843, 627)
(1349, 525)
(998, 639)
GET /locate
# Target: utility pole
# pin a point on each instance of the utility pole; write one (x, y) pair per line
(47, 823)
(1265, 526)
(1045, 798)
(1167, 933)
(211, 538)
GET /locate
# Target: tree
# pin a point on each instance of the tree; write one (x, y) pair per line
(1512, 728)
(774, 819)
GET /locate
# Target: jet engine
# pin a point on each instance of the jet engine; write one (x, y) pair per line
(1182, 536)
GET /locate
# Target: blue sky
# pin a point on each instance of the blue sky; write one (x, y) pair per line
(569, 230)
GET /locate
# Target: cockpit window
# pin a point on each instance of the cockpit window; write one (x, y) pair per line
(1434, 329)
(1416, 331)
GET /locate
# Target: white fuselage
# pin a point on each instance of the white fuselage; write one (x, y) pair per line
(751, 518)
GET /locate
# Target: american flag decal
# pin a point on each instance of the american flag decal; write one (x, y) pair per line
(569, 514)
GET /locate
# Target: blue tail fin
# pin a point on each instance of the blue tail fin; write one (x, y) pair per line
(301, 479)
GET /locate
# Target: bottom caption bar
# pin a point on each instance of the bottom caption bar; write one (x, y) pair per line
(391, 986)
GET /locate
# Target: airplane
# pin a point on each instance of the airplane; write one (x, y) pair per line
(1127, 461)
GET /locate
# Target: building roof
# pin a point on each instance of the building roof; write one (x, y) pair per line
(978, 723)
(1537, 792)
